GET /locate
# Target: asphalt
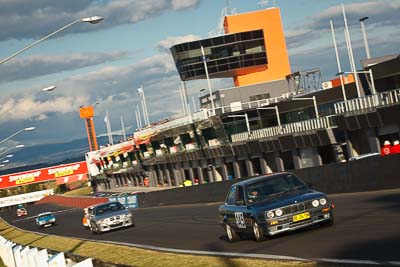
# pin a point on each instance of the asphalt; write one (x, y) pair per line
(366, 228)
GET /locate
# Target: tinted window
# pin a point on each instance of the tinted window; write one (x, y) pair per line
(240, 194)
(109, 208)
(271, 186)
(230, 200)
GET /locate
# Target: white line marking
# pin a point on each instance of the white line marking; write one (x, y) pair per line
(232, 254)
(33, 217)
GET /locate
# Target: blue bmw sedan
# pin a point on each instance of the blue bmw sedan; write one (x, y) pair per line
(271, 204)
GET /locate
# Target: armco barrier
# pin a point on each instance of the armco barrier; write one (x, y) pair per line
(375, 173)
(79, 202)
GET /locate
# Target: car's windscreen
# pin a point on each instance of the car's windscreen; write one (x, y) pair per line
(45, 217)
(273, 186)
(111, 207)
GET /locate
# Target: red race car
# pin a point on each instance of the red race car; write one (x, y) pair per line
(22, 212)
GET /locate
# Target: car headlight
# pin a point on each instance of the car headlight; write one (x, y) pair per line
(270, 214)
(322, 201)
(278, 212)
(315, 203)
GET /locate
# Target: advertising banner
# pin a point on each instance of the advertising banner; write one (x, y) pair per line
(24, 198)
(41, 175)
(71, 179)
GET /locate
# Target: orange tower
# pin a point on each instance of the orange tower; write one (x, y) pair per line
(87, 113)
(269, 20)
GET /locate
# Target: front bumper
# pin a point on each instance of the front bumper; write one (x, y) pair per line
(108, 226)
(286, 224)
(45, 224)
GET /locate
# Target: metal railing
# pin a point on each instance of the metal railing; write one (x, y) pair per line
(194, 117)
(368, 102)
(290, 128)
(251, 104)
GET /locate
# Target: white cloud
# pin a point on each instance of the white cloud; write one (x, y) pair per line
(381, 13)
(182, 4)
(24, 19)
(38, 65)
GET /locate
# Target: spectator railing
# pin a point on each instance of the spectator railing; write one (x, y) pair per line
(368, 102)
(173, 123)
(290, 128)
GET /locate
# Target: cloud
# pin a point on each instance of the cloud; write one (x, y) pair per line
(183, 4)
(166, 44)
(38, 65)
(381, 13)
(32, 19)
(29, 108)
(111, 85)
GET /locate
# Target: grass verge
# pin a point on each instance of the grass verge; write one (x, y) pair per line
(84, 191)
(136, 257)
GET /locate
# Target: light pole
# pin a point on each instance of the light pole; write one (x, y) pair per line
(365, 36)
(373, 89)
(10, 148)
(245, 117)
(338, 61)
(144, 105)
(350, 50)
(20, 131)
(91, 20)
(276, 113)
(208, 78)
(314, 102)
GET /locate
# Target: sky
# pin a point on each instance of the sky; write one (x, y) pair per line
(105, 63)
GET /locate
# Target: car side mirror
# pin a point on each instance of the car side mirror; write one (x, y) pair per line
(239, 202)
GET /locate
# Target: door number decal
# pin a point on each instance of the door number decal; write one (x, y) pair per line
(240, 220)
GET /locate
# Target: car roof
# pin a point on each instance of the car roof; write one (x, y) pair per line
(45, 213)
(105, 204)
(259, 178)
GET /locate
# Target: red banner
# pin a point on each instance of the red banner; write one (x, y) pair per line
(41, 175)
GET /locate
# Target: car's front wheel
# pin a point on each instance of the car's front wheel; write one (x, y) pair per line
(258, 232)
(231, 234)
(93, 228)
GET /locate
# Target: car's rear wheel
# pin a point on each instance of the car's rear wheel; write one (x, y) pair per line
(232, 235)
(258, 232)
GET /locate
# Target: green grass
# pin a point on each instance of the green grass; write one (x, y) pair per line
(84, 191)
(133, 256)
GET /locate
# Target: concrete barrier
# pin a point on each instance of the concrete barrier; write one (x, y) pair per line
(375, 173)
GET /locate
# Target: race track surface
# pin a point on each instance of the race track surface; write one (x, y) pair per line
(367, 227)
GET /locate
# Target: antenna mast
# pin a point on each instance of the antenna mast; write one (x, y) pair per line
(226, 11)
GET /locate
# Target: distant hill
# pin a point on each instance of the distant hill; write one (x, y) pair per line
(45, 155)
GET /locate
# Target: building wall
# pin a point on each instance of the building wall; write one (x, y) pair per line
(278, 60)
(243, 94)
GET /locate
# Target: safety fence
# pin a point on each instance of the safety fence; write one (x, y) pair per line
(290, 128)
(15, 255)
(368, 102)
